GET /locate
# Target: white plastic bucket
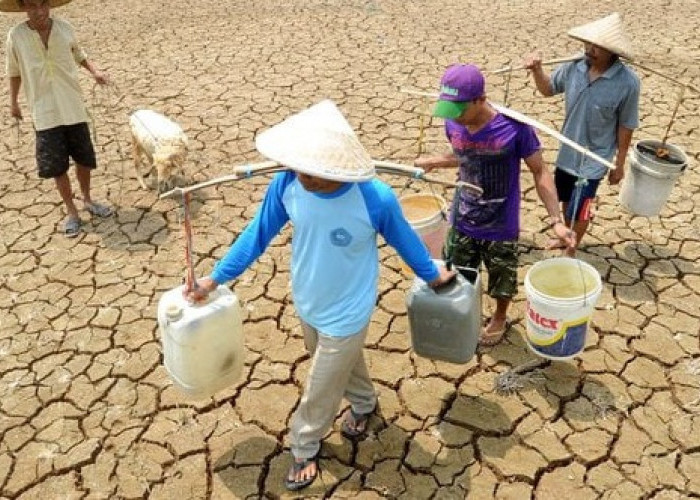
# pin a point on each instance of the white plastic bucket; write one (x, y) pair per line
(559, 310)
(649, 181)
(427, 214)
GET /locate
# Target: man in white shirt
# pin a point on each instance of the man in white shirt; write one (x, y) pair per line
(43, 54)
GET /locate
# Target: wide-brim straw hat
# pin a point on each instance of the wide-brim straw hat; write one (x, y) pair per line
(318, 141)
(608, 33)
(14, 6)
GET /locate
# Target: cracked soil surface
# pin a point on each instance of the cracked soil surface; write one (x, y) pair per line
(86, 408)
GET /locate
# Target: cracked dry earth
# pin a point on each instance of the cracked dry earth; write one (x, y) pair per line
(86, 408)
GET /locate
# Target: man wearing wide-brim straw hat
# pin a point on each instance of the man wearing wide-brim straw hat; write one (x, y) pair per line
(16, 5)
(601, 112)
(43, 55)
(337, 209)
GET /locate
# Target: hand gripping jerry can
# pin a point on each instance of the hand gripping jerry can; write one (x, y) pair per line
(445, 322)
(202, 343)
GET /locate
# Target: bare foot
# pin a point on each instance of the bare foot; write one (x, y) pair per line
(554, 244)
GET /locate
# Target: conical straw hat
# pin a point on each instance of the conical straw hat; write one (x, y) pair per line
(607, 33)
(320, 142)
(14, 6)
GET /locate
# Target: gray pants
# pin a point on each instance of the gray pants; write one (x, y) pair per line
(337, 369)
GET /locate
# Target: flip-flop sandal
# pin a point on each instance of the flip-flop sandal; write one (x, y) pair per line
(71, 228)
(292, 484)
(98, 209)
(354, 424)
(492, 338)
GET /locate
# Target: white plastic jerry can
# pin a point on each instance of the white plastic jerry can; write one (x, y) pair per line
(202, 343)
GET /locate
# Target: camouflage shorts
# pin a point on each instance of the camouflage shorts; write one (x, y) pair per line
(499, 257)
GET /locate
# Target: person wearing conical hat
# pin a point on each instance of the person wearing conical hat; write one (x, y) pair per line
(336, 209)
(42, 56)
(601, 96)
(487, 150)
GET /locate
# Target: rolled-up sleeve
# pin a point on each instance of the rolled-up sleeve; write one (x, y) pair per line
(557, 80)
(629, 107)
(79, 54)
(11, 62)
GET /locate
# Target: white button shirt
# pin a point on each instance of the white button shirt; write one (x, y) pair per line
(49, 75)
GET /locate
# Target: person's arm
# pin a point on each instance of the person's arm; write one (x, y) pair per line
(624, 139)
(428, 163)
(388, 219)
(251, 243)
(533, 62)
(15, 84)
(99, 76)
(14, 77)
(544, 185)
(81, 58)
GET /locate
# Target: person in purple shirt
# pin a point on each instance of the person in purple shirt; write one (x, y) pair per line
(486, 149)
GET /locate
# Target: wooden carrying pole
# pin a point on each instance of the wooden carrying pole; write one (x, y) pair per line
(662, 75)
(579, 56)
(547, 130)
(673, 116)
(268, 167)
(549, 62)
(534, 123)
(240, 172)
(419, 173)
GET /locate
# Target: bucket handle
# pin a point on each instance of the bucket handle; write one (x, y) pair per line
(652, 173)
(639, 165)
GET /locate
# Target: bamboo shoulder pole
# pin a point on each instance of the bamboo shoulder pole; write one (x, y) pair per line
(544, 128)
(627, 61)
(534, 123)
(663, 75)
(549, 62)
(240, 172)
(268, 167)
(579, 56)
(419, 173)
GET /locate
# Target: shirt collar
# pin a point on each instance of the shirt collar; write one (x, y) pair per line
(609, 73)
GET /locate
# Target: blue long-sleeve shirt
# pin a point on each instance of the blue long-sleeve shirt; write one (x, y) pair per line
(335, 262)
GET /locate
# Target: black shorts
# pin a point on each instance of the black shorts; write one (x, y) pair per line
(578, 193)
(55, 146)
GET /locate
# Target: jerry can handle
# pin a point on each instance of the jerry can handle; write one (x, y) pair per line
(473, 270)
(448, 284)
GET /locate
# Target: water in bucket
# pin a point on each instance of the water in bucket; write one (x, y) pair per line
(427, 214)
(650, 179)
(561, 296)
(202, 343)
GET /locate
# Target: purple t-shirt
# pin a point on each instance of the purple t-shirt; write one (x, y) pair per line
(490, 159)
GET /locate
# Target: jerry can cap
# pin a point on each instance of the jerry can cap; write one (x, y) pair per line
(173, 312)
